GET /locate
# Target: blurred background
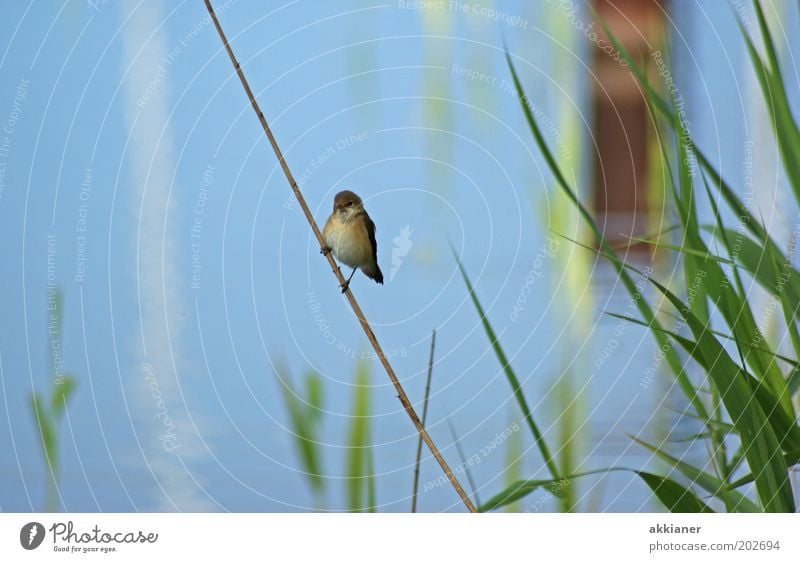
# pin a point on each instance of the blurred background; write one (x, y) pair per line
(152, 250)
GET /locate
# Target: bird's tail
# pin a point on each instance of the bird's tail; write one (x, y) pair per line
(373, 272)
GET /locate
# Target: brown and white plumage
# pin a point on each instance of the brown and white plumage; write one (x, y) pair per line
(350, 234)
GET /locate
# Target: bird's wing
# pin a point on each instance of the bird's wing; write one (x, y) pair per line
(371, 231)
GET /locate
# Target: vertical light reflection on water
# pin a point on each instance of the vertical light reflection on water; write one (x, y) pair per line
(437, 112)
(168, 437)
(571, 291)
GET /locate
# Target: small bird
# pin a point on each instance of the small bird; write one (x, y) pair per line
(350, 235)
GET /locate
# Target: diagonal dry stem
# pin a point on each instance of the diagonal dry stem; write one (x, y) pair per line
(401, 394)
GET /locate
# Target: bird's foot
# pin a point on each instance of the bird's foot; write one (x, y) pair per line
(345, 285)
(325, 250)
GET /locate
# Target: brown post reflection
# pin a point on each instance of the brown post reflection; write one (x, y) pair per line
(620, 163)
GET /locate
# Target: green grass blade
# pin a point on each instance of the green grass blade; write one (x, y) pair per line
(720, 446)
(721, 228)
(674, 496)
(793, 381)
(46, 430)
(686, 251)
(424, 420)
(705, 278)
(776, 99)
(791, 458)
(769, 45)
(358, 463)
(755, 258)
(760, 444)
(686, 342)
(789, 306)
(514, 455)
(372, 502)
(62, 391)
(463, 459)
(784, 426)
(685, 204)
(708, 482)
(569, 427)
(314, 396)
(47, 414)
(304, 418)
(664, 108)
(518, 490)
(786, 430)
(644, 308)
(516, 388)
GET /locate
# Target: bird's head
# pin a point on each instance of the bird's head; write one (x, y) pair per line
(346, 203)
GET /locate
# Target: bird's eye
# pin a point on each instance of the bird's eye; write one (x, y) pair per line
(349, 203)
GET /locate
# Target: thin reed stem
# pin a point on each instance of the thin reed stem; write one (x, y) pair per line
(401, 394)
(424, 419)
(464, 464)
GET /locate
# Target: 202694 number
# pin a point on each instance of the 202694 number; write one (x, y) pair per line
(758, 545)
